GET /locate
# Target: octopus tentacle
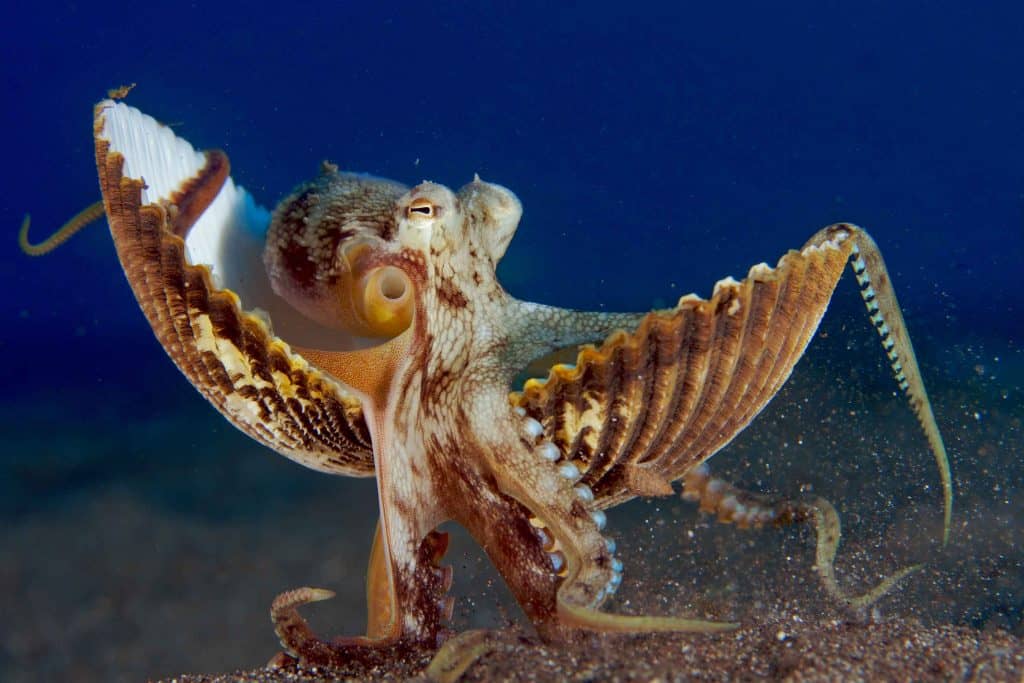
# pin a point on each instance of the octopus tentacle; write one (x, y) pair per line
(540, 329)
(883, 307)
(502, 526)
(459, 653)
(820, 513)
(567, 526)
(581, 593)
(750, 510)
(88, 215)
(302, 644)
(564, 509)
(732, 505)
(644, 407)
(386, 636)
(381, 609)
(291, 628)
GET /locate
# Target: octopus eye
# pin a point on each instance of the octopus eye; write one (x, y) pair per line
(421, 207)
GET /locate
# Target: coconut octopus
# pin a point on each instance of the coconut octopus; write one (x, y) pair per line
(360, 330)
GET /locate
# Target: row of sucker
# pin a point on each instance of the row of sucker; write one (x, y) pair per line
(750, 510)
(867, 292)
(883, 308)
(730, 504)
(295, 634)
(573, 472)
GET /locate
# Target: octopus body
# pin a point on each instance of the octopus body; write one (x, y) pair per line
(361, 330)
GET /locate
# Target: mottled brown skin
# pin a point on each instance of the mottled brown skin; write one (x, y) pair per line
(528, 474)
(313, 233)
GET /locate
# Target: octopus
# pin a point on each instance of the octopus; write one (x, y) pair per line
(360, 329)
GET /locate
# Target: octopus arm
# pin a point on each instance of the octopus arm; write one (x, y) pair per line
(173, 214)
(548, 335)
(543, 531)
(646, 406)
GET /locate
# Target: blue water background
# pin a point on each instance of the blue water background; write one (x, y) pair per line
(656, 147)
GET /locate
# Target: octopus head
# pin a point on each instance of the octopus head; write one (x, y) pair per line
(335, 247)
(481, 218)
(493, 212)
(331, 253)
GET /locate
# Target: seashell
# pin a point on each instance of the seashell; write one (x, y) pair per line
(190, 273)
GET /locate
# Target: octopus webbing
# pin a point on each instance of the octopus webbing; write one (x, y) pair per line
(360, 329)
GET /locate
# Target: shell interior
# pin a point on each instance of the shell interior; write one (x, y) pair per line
(229, 235)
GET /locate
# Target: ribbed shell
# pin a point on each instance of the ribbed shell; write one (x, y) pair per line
(648, 405)
(252, 377)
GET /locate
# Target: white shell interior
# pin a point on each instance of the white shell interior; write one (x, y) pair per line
(229, 235)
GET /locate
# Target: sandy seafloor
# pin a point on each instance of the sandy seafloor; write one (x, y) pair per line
(146, 542)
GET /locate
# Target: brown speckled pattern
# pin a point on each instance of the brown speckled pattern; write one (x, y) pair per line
(302, 255)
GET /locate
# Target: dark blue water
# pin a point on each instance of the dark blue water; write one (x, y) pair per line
(656, 148)
(650, 145)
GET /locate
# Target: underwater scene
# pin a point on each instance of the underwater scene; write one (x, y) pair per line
(658, 153)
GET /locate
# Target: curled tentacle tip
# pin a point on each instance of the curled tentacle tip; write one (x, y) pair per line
(318, 594)
(457, 654)
(23, 243)
(83, 218)
(299, 596)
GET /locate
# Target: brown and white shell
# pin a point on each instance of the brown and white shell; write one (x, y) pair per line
(177, 267)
